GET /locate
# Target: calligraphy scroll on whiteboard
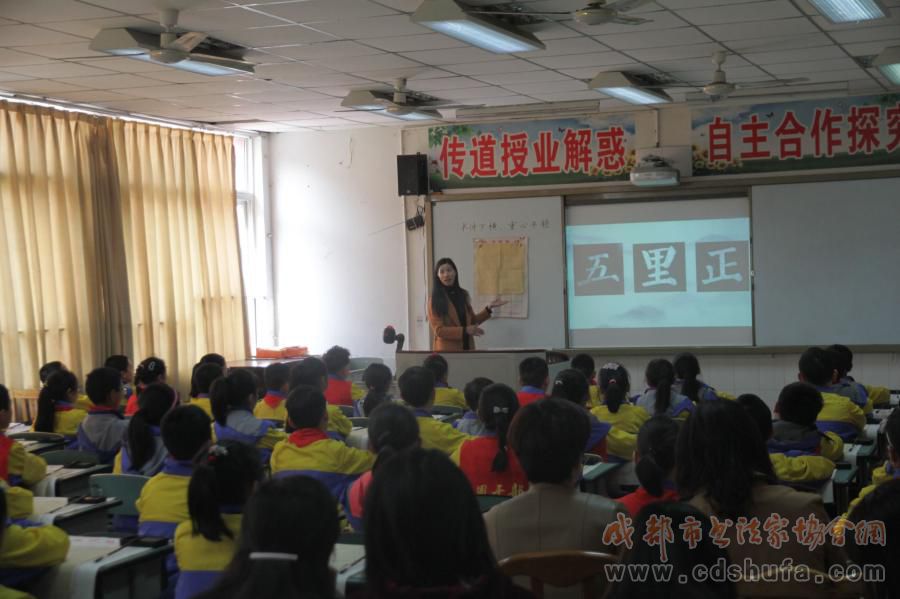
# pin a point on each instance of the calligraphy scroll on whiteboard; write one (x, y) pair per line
(501, 270)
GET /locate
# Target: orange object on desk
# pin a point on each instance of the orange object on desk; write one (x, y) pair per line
(269, 353)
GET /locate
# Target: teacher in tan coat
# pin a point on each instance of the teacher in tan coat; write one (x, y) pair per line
(453, 321)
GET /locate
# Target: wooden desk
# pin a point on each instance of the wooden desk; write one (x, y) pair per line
(68, 482)
(594, 477)
(501, 365)
(74, 518)
(844, 479)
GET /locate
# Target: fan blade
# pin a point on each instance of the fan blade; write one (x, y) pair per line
(188, 41)
(772, 83)
(626, 5)
(510, 13)
(624, 20)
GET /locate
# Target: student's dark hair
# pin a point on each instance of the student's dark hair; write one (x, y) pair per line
(100, 382)
(682, 558)
(656, 442)
(584, 363)
(224, 475)
(548, 437)
(816, 367)
(153, 404)
(48, 369)
(660, 375)
(533, 372)
(472, 391)
(842, 358)
(892, 429)
(231, 392)
(5, 403)
(277, 375)
(336, 359)
(615, 384)
(118, 362)
(416, 386)
(496, 409)
(438, 366)
(424, 529)
(185, 431)
(800, 403)
(687, 368)
(392, 428)
(440, 302)
(294, 515)
(721, 452)
(571, 384)
(309, 372)
(759, 412)
(377, 378)
(55, 389)
(149, 371)
(306, 406)
(203, 377)
(881, 505)
(217, 359)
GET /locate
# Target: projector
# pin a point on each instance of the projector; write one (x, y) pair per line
(654, 171)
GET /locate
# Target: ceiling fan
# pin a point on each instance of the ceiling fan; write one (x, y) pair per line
(184, 51)
(598, 12)
(720, 87)
(401, 102)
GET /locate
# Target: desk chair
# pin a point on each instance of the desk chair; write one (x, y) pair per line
(24, 404)
(561, 569)
(64, 457)
(126, 487)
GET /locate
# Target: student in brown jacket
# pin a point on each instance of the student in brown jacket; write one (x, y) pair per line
(453, 321)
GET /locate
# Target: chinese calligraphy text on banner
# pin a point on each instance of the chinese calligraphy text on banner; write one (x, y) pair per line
(552, 152)
(810, 134)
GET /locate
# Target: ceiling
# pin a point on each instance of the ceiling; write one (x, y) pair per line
(310, 53)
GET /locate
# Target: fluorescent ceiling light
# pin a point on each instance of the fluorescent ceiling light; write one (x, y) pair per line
(364, 99)
(888, 62)
(202, 67)
(451, 18)
(408, 113)
(624, 87)
(849, 11)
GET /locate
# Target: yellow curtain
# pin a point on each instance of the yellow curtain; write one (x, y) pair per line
(118, 237)
(181, 244)
(58, 257)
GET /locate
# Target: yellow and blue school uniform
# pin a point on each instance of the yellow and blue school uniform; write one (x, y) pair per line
(163, 503)
(19, 501)
(311, 452)
(841, 416)
(17, 466)
(341, 392)
(83, 402)
(469, 424)
(445, 395)
(123, 464)
(626, 422)
(680, 407)
(201, 561)
(271, 407)
(66, 419)
(811, 470)
(27, 550)
(438, 435)
(795, 440)
(596, 396)
(203, 402)
(879, 397)
(243, 426)
(704, 393)
(852, 391)
(879, 476)
(101, 433)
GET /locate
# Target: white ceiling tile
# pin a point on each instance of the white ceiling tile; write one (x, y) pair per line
(739, 31)
(39, 86)
(69, 51)
(865, 48)
(658, 20)
(569, 96)
(312, 11)
(777, 44)
(295, 95)
(13, 77)
(369, 117)
(316, 121)
(733, 74)
(682, 4)
(798, 55)
(373, 27)
(91, 27)
(596, 59)
(571, 45)
(261, 57)
(15, 58)
(225, 19)
(591, 72)
(41, 11)
(291, 71)
(433, 85)
(508, 101)
(740, 13)
(677, 52)
(294, 115)
(267, 127)
(131, 7)
(801, 68)
(695, 64)
(267, 37)
(834, 76)
(29, 35)
(8, 22)
(666, 37)
(338, 91)
(328, 80)
(524, 77)
(357, 64)
(475, 93)
(549, 87)
(120, 81)
(869, 34)
(552, 30)
(401, 5)
(126, 65)
(509, 65)
(452, 56)
(323, 50)
(411, 43)
(417, 74)
(93, 96)
(173, 75)
(57, 70)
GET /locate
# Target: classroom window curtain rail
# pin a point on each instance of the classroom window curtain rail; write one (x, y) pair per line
(118, 237)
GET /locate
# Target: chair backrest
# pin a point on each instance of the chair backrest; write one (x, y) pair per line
(360, 421)
(126, 487)
(561, 569)
(64, 457)
(24, 404)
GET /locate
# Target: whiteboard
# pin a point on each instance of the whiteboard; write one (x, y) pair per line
(826, 258)
(458, 223)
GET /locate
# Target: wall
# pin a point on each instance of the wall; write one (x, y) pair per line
(338, 239)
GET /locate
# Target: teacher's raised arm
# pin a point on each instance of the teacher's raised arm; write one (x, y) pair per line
(453, 321)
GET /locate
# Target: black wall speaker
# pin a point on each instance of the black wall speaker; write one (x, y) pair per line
(412, 174)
